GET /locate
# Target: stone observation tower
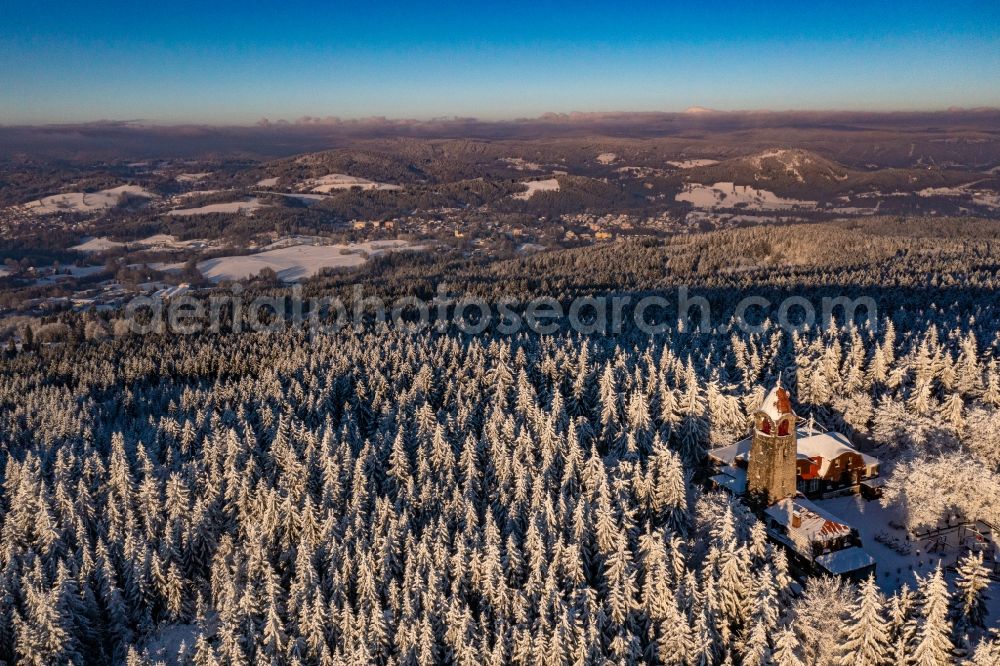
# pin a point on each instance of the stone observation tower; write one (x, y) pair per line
(773, 449)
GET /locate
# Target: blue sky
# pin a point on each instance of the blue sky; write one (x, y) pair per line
(228, 62)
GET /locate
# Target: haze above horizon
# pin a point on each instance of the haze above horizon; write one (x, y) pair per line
(237, 63)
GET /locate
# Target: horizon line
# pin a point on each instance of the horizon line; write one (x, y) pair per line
(549, 116)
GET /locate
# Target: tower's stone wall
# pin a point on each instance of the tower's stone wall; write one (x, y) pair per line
(771, 470)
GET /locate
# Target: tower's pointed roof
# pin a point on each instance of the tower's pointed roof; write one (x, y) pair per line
(777, 402)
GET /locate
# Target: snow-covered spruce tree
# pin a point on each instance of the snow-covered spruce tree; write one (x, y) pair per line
(933, 645)
(970, 600)
(786, 647)
(865, 639)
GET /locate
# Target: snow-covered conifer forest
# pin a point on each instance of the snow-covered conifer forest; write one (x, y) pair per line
(378, 496)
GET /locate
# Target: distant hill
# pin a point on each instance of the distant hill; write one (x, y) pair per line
(801, 172)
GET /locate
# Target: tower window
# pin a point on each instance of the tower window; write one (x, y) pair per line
(783, 427)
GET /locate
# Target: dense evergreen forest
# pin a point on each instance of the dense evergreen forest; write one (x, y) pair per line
(379, 496)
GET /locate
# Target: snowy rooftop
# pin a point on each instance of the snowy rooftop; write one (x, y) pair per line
(846, 560)
(811, 443)
(816, 525)
(732, 479)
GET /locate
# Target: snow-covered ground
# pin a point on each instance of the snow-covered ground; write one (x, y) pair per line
(244, 207)
(165, 644)
(84, 202)
(942, 192)
(298, 261)
(267, 182)
(340, 181)
(728, 195)
(96, 245)
(193, 193)
(988, 199)
(192, 177)
(550, 185)
(301, 196)
(521, 164)
(102, 244)
(606, 158)
(981, 197)
(641, 171)
(691, 164)
(67, 271)
(899, 559)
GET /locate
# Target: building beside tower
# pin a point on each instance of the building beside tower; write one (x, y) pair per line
(782, 464)
(785, 455)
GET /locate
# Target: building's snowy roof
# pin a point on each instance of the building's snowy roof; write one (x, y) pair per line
(727, 455)
(811, 443)
(816, 524)
(829, 446)
(776, 403)
(846, 560)
(732, 479)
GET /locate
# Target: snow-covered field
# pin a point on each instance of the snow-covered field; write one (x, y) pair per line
(728, 195)
(521, 164)
(66, 271)
(942, 192)
(298, 261)
(267, 182)
(986, 198)
(691, 164)
(193, 193)
(550, 185)
(96, 245)
(244, 207)
(641, 171)
(192, 177)
(84, 202)
(101, 244)
(301, 196)
(340, 181)
(606, 158)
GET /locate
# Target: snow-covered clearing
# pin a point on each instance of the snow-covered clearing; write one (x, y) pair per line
(192, 177)
(691, 164)
(550, 185)
(298, 261)
(90, 244)
(899, 559)
(521, 164)
(641, 171)
(194, 193)
(943, 192)
(728, 195)
(791, 159)
(243, 207)
(606, 158)
(66, 272)
(303, 197)
(84, 202)
(340, 181)
(267, 182)
(987, 198)
(102, 244)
